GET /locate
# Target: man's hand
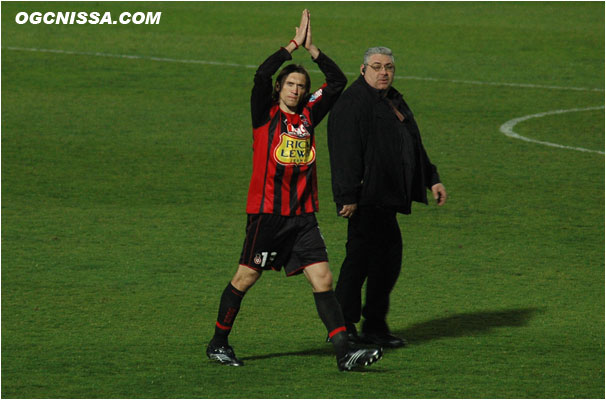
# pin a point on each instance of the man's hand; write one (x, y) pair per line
(439, 193)
(301, 31)
(309, 46)
(348, 210)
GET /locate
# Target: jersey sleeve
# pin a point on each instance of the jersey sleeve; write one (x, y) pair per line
(325, 97)
(260, 99)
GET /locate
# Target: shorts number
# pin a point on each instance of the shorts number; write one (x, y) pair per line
(266, 255)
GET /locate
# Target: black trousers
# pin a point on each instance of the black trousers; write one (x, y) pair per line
(374, 254)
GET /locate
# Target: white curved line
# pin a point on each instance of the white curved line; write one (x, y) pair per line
(507, 128)
(229, 64)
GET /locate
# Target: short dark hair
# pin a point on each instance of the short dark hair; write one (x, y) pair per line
(289, 69)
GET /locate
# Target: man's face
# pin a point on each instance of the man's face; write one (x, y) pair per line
(292, 91)
(380, 71)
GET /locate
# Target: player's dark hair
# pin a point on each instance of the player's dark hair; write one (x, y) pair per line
(289, 69)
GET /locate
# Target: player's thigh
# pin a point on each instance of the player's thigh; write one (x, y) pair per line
(309, 248)
(268, 242)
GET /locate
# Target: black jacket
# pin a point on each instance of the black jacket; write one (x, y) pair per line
(376, 159)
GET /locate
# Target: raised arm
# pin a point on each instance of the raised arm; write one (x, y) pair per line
(260, 100)
(324, 98)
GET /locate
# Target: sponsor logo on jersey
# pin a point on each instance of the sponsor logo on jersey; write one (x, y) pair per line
(314, 96)
(295, 147)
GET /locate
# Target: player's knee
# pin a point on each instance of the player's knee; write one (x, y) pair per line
(242, 283)
(245, 278)
(319, 276)
(324, 281)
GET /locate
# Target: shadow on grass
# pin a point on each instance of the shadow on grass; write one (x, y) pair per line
(457, 325)
(466, 324)
(322, 350)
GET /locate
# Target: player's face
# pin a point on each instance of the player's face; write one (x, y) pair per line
(292, 91)
(379, 72)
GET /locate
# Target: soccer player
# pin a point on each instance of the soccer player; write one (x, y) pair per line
(282, 230)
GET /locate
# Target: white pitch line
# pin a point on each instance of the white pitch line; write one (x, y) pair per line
(129, 56)
(522, 85)
(507, 128)
(228, 64)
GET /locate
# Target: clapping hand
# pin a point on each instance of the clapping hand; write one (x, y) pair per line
(303, 36)
(300, 32)
(309, 46)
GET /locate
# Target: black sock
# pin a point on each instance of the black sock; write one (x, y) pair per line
(332, 316)
(228, 309)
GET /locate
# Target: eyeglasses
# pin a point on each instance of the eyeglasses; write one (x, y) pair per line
(377, 67)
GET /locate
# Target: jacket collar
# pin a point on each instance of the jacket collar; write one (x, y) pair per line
(378, 95)
(375, 93)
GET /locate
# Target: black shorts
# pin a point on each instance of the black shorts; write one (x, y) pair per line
(276, 241)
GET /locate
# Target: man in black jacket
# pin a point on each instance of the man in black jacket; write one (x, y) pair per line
(379, 166)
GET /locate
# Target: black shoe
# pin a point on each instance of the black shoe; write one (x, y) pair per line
(357, 359)
(383, 340)
(223, 354)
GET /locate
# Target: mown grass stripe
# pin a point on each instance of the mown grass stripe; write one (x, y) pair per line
(228, 64)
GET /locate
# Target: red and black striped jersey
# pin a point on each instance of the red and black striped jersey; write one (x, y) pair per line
(284, 177)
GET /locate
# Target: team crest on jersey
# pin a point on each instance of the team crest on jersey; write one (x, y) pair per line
(258, 259)
(304, 120)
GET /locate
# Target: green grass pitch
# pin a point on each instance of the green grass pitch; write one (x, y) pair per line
(124, 182)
